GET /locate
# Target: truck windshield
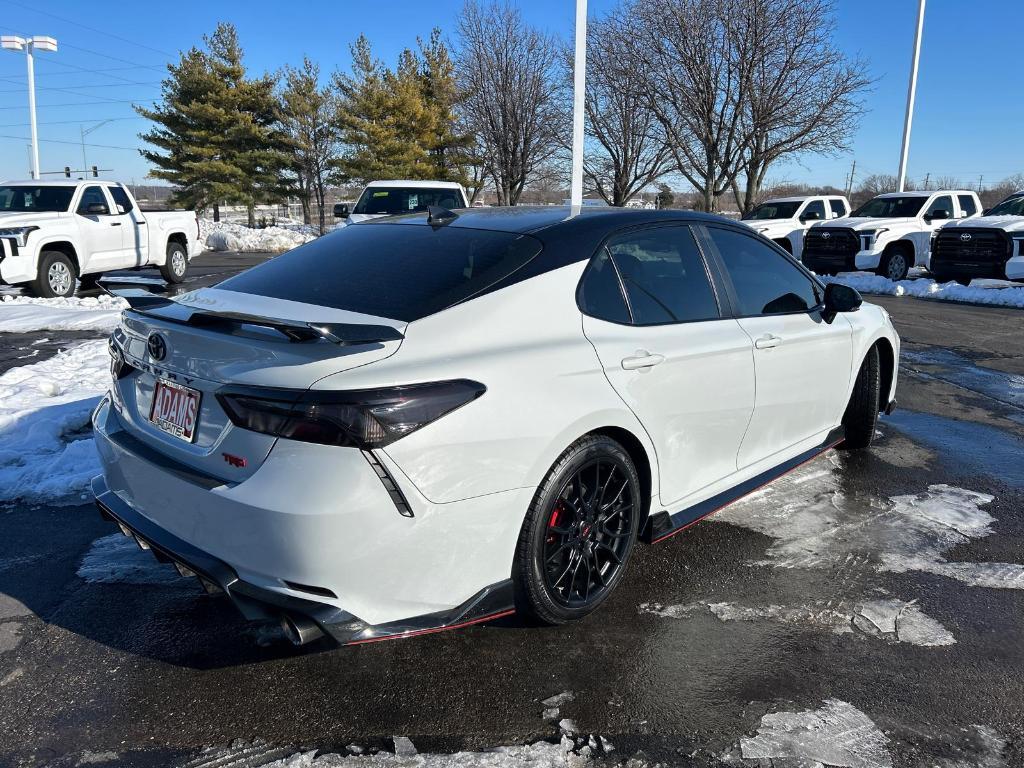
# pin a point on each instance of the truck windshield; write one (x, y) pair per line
(891, 208)
(389, 201)
(1012, 206)
(773, 211)
(27, 198)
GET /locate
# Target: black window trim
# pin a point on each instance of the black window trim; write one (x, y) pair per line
(724, 313)
(730, 290)
(106, 199)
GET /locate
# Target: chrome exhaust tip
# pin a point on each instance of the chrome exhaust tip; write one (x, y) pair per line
(300, 630)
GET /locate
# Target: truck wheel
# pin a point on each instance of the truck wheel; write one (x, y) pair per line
(862, 411)
(55, 277)
(175, 267)
(579, 532)
(895, 264)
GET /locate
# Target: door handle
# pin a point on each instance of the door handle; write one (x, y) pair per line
(115, 223)
(767, 341)
(641, 360)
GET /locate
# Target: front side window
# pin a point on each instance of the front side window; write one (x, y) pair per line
(773, 210)
(902, 207)
(26, 198)
(121, 200)
(664, 275)
(838, 207)
(815, 207)
(391, 201)
(967, 205)
(91, 196)
(765, 282)
(942, 203)
(398, 271)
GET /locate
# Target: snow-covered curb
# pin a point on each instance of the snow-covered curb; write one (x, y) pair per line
(229, 236)
(23, 314)
(995, 293)
(46, 449)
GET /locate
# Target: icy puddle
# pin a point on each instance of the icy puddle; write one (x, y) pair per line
(946, 365)
(816, 525)
(884, 618)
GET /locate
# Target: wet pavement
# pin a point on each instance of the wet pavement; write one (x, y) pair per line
(880, 592)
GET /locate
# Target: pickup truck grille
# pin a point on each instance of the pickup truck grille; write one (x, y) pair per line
(837, 242)
(958, 246)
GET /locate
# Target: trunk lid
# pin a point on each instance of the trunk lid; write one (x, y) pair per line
(212, 338)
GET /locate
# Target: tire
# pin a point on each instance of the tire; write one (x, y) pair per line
(55, 277)
(862, 411)
(784, 244)
(175, 266)
(561, 535)
(895, 264)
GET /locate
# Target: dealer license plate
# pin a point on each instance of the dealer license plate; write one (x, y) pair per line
(175, 409)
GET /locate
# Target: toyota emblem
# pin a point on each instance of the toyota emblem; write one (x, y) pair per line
(826, 235)
(965, 236)
(156, 346)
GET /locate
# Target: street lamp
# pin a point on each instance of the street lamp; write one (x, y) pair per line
(579, 88)
(911, 93)
(30, 45)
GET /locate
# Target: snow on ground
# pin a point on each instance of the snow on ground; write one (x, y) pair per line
(836, 734)
(231, 236)
(117, 559)
(885, 618)
(993, 292)
(24, 314)
(46, 451)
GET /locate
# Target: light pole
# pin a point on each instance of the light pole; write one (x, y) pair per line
(579, 88)
(29, 46)
(911, 93)
(85, 132)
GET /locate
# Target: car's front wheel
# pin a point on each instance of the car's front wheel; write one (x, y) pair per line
(56, 276)
(579, 531)
(862, 411)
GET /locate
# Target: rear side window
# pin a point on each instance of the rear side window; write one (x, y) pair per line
(121, 200)
(601, 293)
(664, 275)
(398, 271)
(765, 281)
(967, 205)
(838, 208)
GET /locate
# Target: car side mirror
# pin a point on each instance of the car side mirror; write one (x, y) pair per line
(839, 298)
(942, 213)
(97, 209)
(810, 216)
(340, 210)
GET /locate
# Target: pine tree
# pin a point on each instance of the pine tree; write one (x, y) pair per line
(217, 135)
(448, 147)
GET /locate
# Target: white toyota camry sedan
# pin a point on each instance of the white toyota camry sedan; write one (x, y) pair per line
(433, 420)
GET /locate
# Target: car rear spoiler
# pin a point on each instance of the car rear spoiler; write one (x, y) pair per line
(144, 297)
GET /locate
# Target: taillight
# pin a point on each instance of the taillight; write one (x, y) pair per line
(364, 418)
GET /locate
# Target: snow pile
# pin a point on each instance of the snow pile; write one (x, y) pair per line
(978, 292)
(23, 314)
(46, 452)
(229, 236)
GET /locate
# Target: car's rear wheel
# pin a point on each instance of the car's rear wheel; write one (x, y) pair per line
(862, 411)
(56, 276)
(579, 532)
(175, 266)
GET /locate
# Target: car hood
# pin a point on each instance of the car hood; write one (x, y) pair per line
(770, 226)
(1005, 223)
(19, 219)
(859, 224)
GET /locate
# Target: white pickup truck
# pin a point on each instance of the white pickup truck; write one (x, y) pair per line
(989, 246)
(785, 219)
(54, 232)
(391, 198)
(887, 235)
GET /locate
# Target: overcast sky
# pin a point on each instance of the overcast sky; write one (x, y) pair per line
(968, 121)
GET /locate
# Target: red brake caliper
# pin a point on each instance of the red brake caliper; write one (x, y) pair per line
(556, 513)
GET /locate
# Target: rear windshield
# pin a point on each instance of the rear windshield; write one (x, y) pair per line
(395, 200)
(398, 271)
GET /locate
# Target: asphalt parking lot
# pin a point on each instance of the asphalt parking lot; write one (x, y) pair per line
(889, 583)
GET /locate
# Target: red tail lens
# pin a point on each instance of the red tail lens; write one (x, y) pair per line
(365, 418)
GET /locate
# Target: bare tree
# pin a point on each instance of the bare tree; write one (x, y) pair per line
(696, 61)
(627, 151)
(510, 104)
(803, 94)
(307, 113)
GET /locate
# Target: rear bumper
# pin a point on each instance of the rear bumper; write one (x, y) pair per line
(259, 604)
(318, 525)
